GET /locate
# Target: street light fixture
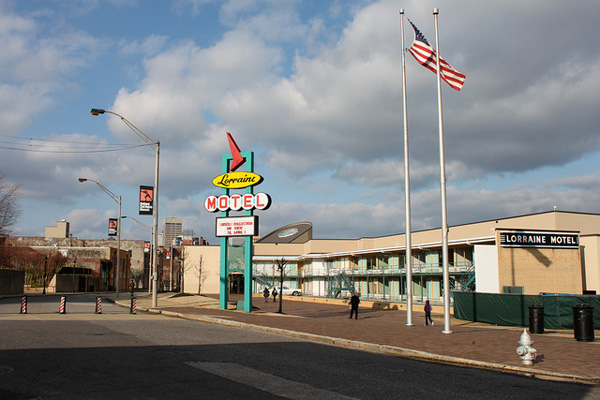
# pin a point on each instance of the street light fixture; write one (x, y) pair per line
(155, 146)
(151, 230)
(117, 199)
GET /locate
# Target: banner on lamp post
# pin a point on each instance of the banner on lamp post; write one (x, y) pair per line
(113, 225)
(146, 200)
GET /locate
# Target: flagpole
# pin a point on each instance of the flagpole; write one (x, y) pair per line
(443, 185)
(408, 252)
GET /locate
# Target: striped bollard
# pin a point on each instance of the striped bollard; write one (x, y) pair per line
(98, 305)
(133, 306)
(63, 305)
(23, 304)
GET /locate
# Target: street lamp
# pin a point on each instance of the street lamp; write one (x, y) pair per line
(155, 146)
(151, 230)
(45, 267)
(74, 263)
(117, 199)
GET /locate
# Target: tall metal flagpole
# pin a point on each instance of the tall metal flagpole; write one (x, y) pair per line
(442, 184)
(408, 252)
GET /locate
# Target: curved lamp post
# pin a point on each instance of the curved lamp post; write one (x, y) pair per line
(117, 199)
(151, 230)
(155, 146)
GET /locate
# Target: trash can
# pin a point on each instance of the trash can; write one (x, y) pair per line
(536, 319)
(583, 322)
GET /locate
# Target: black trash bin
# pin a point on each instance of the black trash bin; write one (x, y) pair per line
(536, 319)
(583, 322)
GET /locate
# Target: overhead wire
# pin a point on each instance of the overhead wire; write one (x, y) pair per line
(56, 146)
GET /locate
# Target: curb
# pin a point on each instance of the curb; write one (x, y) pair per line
(380, 349)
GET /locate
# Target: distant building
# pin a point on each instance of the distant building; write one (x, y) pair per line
(60, 231)
(172, 229)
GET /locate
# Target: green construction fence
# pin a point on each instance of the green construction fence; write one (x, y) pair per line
(513, 309)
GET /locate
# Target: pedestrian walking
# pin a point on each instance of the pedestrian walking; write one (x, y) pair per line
(274, 295)
(428, 313)
(266, 294)
(354, 301)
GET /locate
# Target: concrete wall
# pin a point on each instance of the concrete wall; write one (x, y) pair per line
(485, 259)
(590, 253)
(80, 283)
(11, 282)
(201, 266)
(540, 270)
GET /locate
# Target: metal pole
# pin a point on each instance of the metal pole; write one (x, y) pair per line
(118, 248)
(443, 185)
(408, 252)
(45, 266)
(155, 233)
(149, 142)
(116, 199)
(150, 268)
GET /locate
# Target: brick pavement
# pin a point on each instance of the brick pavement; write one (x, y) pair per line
(557, 351)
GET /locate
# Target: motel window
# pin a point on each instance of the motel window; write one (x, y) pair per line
(463, 256)
(382, 261)
(352, 263)
(401, 260)
(418, 257)
(371, 262)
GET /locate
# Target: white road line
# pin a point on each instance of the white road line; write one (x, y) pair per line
(267, 382)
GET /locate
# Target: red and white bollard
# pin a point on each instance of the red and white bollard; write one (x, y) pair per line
(98, 305)
(23, 304)
(133, 306)
(63, 305)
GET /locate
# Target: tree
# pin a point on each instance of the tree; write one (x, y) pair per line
(280, 267)
(9, 209)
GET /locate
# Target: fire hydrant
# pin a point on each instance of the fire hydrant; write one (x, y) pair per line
(525, 350)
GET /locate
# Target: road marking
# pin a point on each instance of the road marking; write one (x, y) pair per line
(266, 382)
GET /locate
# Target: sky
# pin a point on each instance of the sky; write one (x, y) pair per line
(314, 89)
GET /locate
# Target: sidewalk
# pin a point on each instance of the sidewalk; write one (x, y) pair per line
(559, 355)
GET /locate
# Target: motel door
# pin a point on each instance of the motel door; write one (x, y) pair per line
(236, 283)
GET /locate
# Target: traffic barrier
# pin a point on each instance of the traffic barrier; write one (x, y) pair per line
(63, 305)
(133, 306)
(23, 304)
(98, 305)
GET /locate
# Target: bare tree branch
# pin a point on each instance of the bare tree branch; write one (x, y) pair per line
(9, 209)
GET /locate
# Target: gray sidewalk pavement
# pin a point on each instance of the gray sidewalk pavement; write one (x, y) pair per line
(559, 355)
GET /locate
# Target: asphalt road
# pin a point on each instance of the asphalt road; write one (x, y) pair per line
(115, 355)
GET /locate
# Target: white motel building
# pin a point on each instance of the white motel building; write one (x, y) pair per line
(548, 252)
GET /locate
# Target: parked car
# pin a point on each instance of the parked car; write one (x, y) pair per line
(287, 291)
(292, 292)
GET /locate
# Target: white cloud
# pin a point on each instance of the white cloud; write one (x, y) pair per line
(315, 89)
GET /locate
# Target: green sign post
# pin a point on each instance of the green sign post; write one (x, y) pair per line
(248, 246)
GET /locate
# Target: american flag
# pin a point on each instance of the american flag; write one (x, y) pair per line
(425, 55)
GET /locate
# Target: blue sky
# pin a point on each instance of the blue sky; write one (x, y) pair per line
(314, 89)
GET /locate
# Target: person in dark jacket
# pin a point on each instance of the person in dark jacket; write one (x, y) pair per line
(274, 293)
(428, 313)
(354, 301)
(266, 294)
